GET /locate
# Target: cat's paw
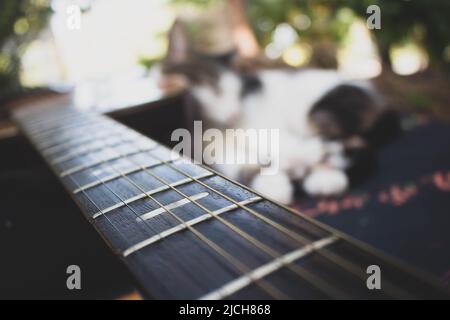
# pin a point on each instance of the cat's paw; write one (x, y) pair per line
(277, 187)
(325, 182)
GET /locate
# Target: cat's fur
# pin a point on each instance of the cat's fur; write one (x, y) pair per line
(322, 117)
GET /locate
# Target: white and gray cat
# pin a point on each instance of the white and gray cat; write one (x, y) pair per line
(322, 117)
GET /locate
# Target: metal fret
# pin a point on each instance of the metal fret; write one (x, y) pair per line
(45, 132)
(77, 142)
(62, 139)
(267, 269)
(144, 194)
(112, 177)
(80, 151)
(107, 179)
(181, 227)
(85, 150)
(73, 129)
(97, 162)
(68, 128)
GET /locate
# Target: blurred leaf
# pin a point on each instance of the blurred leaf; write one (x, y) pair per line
(20, 22)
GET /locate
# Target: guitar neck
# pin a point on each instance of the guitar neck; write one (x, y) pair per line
(185, 231)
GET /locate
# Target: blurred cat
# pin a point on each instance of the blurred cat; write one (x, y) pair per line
(324, 119)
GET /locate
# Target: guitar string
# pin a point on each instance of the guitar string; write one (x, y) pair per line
(43, 131)
(125, 238)
(52, 120)
(193, 283)
(168, 252)
(306, 275)
(189, 227)
(87, 149)
(72, 139)
(308, 220)
(272, 291)
(117, 231)
(73, 126)
(296, 237)
(290, 233)
(324, 287)
(347, 265)
(47, 151)
(98, 208)
(343, 263)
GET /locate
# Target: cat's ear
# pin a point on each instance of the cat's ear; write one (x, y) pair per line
(178, 49)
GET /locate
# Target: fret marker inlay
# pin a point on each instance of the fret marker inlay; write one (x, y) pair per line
(171, 206)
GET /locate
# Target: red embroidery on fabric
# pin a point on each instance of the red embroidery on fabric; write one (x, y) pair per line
(396, 195)
(442, 181)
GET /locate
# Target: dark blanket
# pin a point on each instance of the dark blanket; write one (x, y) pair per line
(404, 207)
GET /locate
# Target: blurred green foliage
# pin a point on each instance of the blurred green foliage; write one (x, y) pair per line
(422, 21)
(425, 22)
(312, 20)
(20, 21)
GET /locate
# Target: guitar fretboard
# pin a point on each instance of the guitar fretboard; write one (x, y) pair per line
(185, 231)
